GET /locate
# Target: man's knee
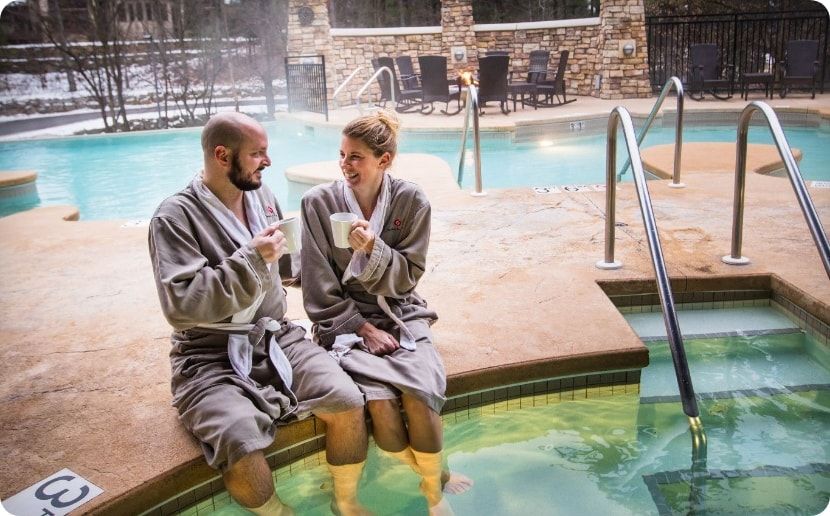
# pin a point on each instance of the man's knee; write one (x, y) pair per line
(350, 416)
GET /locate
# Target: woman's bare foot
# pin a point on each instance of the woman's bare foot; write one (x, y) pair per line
(454, 482)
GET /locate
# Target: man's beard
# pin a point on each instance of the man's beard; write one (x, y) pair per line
(238, 179)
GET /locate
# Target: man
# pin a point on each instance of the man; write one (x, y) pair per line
(238, 367)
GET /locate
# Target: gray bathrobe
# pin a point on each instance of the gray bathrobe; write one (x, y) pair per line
(397, 262)
(204, 276)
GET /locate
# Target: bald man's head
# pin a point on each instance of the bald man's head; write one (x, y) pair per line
(226, 129)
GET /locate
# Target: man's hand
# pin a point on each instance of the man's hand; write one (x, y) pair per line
(378, 342)
(361, 238)
(270, 242)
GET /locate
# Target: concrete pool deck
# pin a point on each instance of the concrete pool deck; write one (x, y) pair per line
(511, 275)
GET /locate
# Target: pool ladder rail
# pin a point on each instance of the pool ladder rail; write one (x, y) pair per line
(793, 172)
(620, 116)
(672, 83)
(378, 72)
(342, 86)
(471, 111)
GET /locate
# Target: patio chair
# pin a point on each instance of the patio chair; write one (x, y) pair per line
(409, 79)
(800, 66)
(488, 53)
(492, 77)
(435, 85)
(707, 74)
(536, 73)
(406, 99)
(549, 91)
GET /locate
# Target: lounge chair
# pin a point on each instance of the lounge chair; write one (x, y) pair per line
(406, 99)
(492, 77)
(549, 91)
(409, 79)
(536, 73)
(800, 66)
(707, 74)
(436, 86)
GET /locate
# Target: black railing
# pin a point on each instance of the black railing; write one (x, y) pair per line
(750, 42)
(305, 82)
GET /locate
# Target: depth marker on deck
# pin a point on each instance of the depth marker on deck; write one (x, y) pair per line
(55, 495)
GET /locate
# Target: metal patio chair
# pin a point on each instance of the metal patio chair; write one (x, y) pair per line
(492, 77)
(536, 73)
(550, 91)
(707, 74)
(406, 99)
(800, 66)
(436, 86)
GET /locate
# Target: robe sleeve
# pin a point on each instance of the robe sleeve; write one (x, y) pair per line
(326, 303)
(192, 291)
(395, 272)
(289, 264)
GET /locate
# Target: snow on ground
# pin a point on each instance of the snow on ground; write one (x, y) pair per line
(97, 124)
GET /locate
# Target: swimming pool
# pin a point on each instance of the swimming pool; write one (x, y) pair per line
(126, 176)
(765, 404)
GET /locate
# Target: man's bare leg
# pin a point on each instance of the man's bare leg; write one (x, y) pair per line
(249, 482)
(346, 445)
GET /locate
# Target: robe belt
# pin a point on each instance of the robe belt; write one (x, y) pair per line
(241, 351)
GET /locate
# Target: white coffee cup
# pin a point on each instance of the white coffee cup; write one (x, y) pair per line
(290, 227)
(341, 226)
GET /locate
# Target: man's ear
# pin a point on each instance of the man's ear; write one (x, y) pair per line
(222, 154)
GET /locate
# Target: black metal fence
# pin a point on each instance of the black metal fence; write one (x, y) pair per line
(751, 42)
(305, 82)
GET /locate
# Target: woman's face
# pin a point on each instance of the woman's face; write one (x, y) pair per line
(362, 171)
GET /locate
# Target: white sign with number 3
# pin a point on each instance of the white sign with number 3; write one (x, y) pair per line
(53, 496)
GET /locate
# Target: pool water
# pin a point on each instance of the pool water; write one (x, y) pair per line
(126, 176)
(765, 406)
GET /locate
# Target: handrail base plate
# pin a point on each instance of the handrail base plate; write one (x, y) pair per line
(728, 259)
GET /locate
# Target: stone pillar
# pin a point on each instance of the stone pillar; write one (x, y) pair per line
(622, 22)
(457, 33)
(309, 33)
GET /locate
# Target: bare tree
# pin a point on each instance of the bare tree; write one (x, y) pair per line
(266, 22)
(101, 64)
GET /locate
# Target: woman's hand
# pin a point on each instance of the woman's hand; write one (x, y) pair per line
(361, 237)
(378, 342)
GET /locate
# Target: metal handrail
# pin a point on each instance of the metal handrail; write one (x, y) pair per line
(675, 338)
(804, 200)
(678, 129)
(472, 107)
(343, 85)
(372, 78)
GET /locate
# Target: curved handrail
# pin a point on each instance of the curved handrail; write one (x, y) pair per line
(372, 78)
(472, 107)
(678, 129)
(343, 85)
(804, 200)
(675, 338)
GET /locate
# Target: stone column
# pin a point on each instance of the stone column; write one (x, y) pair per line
(309, 33)
(457, 33)
(622, 22)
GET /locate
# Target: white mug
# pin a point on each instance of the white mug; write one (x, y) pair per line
(341, 226)
(290, 227)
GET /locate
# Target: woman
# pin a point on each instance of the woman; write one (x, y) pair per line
(363, 303)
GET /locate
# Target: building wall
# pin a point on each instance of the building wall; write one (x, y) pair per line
(595, 46)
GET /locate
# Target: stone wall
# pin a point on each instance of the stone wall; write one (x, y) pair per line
(595, 46)
(581, 43)
(621, 22)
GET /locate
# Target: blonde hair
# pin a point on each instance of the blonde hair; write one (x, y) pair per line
(379, 131)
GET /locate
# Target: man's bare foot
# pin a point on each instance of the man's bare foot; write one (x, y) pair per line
(454, 482)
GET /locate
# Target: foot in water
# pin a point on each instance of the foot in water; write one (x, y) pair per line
(454, 482)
